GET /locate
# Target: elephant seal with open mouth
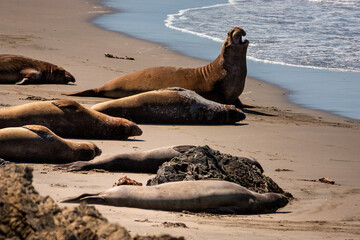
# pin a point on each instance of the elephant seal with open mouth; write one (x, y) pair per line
(202, 195)
(16, 69)
(222, 81)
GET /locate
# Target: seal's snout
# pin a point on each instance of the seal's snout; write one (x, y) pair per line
(69, 77)
(236, 114)
(135, 130)
(97, 151)
(282, 201)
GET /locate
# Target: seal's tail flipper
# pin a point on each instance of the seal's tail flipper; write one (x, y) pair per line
(85, 93)
(241, 105)
(81, 198)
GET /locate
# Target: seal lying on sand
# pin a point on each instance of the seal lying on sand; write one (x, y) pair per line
(171, 106)
(202, 195)
(68, 118)
(34, 143)
(23, 70)
(221, 81)
(141, 162)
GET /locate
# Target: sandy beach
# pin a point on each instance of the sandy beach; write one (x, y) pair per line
(295, 146)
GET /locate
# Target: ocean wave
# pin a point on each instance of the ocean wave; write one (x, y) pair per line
(301, 66)
(326, 51)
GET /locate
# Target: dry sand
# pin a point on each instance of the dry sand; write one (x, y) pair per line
(309, 144)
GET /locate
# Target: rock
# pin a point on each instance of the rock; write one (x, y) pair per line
(27, 215)
(327, 180)
(126, 181)
(206, 163)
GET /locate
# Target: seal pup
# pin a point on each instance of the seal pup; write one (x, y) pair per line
(171, 106)
(23, 70)
(195, 196)
(69, 119)
(139, 162)
(222, 81)
(34, 143)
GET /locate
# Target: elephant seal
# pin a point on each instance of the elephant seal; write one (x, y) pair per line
(140, 162)
(171, 106)
(69, 119)
(23, 70)
(34, 143)
(195, 196)
(223, 80)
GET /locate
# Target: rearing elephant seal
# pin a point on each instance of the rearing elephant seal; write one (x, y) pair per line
(34, 143)
(23, 70)
(171, 106)
(68, 118)
(195, 196)
(222, 81)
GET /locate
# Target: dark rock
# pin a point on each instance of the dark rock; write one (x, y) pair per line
(206, 163)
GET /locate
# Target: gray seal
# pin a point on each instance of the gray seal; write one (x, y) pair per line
(139, 162)
(195, 196)
(171, 106)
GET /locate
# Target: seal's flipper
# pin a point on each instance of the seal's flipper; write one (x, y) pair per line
(79, 198)
(76, 166)
(30, 76)
(240, 105)
(66, 105)
(24, 81)
(85, 93)
(41, 131)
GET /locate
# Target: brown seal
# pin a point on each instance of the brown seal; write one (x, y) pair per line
(139, 162)
(171, 106)
(195, 196)
(70, 119)
(222, 80)
(23, 70)
(34, 143)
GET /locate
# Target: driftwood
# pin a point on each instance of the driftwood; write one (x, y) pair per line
(108, 55)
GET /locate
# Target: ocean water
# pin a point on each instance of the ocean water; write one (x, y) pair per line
(309, 47)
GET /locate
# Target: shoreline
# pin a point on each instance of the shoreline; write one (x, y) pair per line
(303, 85)
(309, 143)
(282, 94)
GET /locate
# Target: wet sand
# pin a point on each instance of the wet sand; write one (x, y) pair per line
(296, 146)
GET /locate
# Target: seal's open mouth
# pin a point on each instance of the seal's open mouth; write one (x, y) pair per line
(237, 36)
(243, 40)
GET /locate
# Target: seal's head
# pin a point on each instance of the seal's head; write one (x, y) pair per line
(62, 76)
(86, 151)
(236, 41)
(69, 77)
